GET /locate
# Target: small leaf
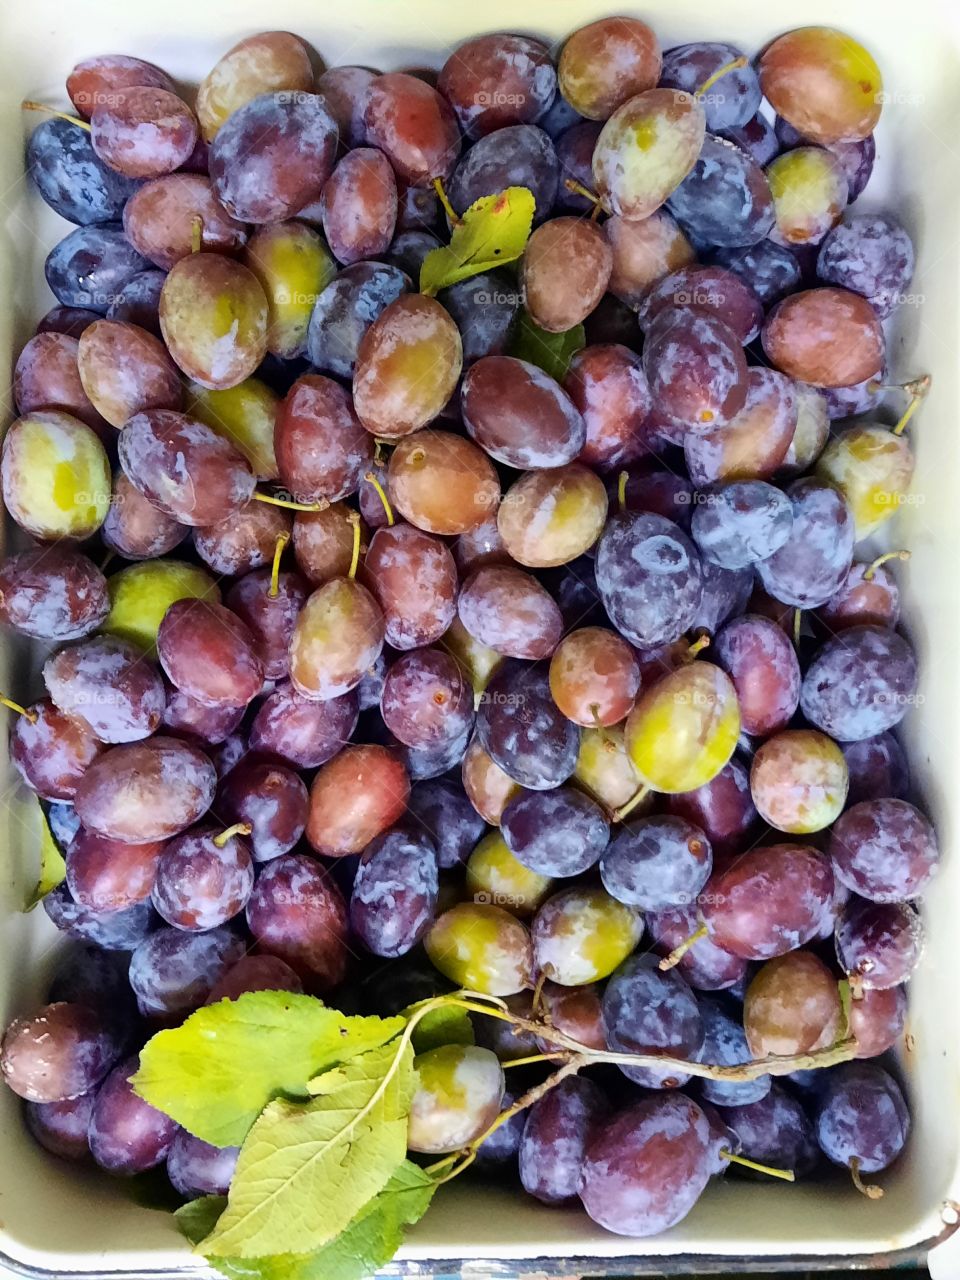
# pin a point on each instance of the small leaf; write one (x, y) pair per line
(197, 1218)
(551, 352)
(447, 1024)
(493, 231)
(216, 1072)
(52, 866)
(846, 995)
(307, 1169)
(368, 1243)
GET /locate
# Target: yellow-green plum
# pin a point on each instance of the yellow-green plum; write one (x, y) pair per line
(581, 935)
(245, 415)
(646, 149)
(459, 1093)
(213, 316)
(293, 266)
(809, 190)
(494, 875)
(142, 593)
(684, 728)
(55, 476)
(872, 467)
(481, 947)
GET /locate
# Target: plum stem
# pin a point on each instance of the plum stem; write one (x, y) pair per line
(638, 797)
(787, 1175)
(537, 997)
(677, 954)
(698, 646)
(868, 1189)
(444, 199)
(917, 391)
(282, 540)
(580, 190)
(875, 564)
(238, 829)
(522, 1103)
(53, 111)
(622, 479)
(354, 519)
(382, 495)
(708, 84)
(562, 1054)
(290, 505)
(774, 1064)
(466, 1162)
(15, 706)
(797, 625)
(196, 233)
(580, 1056)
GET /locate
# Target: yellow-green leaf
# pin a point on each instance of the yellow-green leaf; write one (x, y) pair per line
(52, 866)
(306, 1169)
(216, 1072)
(551, 352)
(368, 1243)
(447, 1024)
(494, 230)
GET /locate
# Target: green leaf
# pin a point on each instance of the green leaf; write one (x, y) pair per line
(368, 1243)
(306, 1169)
(447, 1024)
(197, 1218)
(551, 352)
(216, 1072)
(52, 866)
(494, 230)
(846, 995)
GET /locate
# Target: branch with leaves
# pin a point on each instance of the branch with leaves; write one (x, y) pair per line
(319, 1103)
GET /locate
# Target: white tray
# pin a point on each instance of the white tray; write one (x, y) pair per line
(54, 1219)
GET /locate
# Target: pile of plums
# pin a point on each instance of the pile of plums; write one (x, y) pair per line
(382, 661)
